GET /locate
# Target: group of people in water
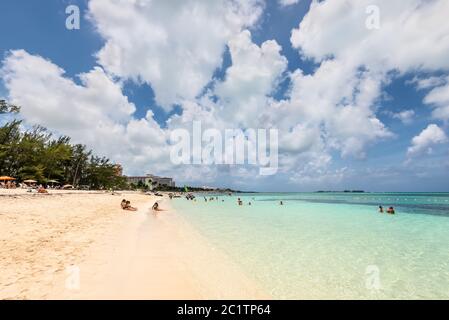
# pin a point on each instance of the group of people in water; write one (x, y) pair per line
(126, 205)
(390, 210)
(239, 200)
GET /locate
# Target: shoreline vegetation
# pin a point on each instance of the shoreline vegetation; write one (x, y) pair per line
(35, 154)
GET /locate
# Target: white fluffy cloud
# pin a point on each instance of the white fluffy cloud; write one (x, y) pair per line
(410, 35)
(356, 59)
(174, 46)
(285, 3)
(405, 116)
(243, 98)
(95, 113)
(252, 77)
(439, 99)
(339, 103)
(428, 82)
(429, 137)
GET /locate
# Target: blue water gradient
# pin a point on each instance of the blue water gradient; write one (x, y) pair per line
(332, 245)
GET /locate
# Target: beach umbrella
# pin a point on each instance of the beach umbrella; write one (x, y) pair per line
(53, 182)
(6, 178)
(67, 186)
(29, 181)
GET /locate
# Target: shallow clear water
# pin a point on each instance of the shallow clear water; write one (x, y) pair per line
(333, 245)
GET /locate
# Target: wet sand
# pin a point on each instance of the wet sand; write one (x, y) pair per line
(81, 245)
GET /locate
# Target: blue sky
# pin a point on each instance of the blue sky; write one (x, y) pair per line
(383, 161)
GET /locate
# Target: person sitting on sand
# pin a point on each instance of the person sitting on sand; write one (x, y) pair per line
(381, 209)
(128, 206)
(123, 204)
(390, 210)
(156, 207)
(41, 189)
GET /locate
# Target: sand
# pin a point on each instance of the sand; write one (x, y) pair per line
(81, 245)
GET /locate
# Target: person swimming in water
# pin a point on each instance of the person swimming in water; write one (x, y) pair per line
(281, 203)
(390, 210)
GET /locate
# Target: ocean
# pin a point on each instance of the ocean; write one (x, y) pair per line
(332, 245)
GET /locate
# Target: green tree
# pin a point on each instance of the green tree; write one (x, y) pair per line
(36, 154)
(9, 138)
(6, 107)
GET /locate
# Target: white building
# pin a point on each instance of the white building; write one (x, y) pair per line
(151, 181)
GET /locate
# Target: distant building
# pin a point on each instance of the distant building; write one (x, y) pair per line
(151, 181)
(139, 179)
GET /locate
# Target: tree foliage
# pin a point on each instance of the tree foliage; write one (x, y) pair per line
(37, 154)
(8, 108)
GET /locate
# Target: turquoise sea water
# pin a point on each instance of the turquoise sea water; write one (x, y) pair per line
(333, 245)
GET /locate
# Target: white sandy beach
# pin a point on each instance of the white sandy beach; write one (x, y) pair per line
(81, 245)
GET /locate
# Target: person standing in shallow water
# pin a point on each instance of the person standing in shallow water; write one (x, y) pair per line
(381, 209)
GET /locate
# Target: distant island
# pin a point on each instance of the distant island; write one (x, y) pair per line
(344, 191)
